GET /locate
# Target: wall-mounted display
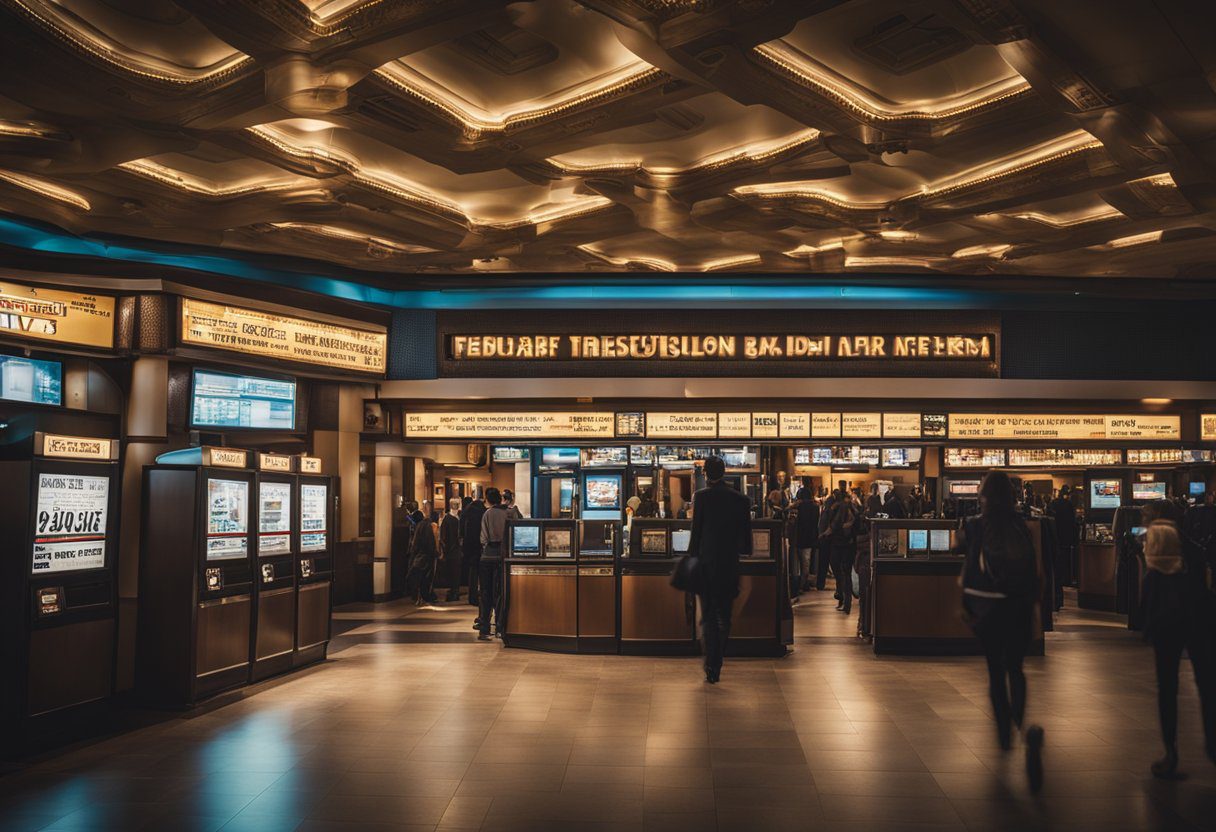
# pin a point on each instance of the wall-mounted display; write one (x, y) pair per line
(1148, 491)
(224, 400)
(918, 540)
(31, 380)
(605, 457)
(55, 315)
(559, 457)
(975, 458)
(1065, 457)
(964, 488)
(227, 519)
(505, 453)
(270, 335)
(1207, 427)
(1105, 493)
(845, 455)
(70, 524)
(939, 540)
(802, 456)
(901, 457)
(274, 518)
(602, 492)
(631, 425)
(642, 454)
(934, 425)
(761, 543)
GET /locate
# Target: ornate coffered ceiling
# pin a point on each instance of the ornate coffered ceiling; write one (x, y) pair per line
(791, 136)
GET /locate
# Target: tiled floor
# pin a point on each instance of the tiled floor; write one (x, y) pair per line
(415, 726)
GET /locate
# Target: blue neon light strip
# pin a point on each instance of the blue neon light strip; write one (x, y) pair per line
(585, 292)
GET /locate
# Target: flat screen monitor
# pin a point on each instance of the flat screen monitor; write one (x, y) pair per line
(939, 540)
(525, 540)
(918, 540)
(1148, 491)
(565, 496)
(653, 542)
(596, 537)
(564, 457)
(605, 457)
(1105, 493)
(602, 492)
(680, 538)
(30, 380)
(225, 400)
(505, 453)
(70, 531)
(557, 543)
(802, 456)
(965, 488)
(1197, 489)
(227, 519)
(642, 454)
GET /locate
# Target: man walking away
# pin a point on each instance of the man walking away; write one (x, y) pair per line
(1001, 581)
(806, 534)
(1177, 614)
(1065, 515)
(449, 549)
(721, 534)
(842, 538)
(470, 543)
(489, 572)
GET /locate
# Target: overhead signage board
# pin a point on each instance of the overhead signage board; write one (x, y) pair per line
(825, 425)
(270, 335)
(795, 425)
(535, 425)
(77, 447)
(57, 316)
(765, 425)
(861, 425)
(901, 425)
(310, 464)
(274, 462)
(1038, 426)
(735, 425)
(225, 457)
(691, 425)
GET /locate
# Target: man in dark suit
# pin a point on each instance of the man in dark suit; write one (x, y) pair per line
(721, 534)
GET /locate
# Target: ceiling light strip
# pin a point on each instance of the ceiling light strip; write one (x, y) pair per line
(46, 189)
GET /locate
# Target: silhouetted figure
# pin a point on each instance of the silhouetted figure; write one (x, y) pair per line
(721, 534)
(1177, 614)
(1000, 584)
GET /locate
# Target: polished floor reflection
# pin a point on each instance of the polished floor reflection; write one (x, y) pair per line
(415, 726)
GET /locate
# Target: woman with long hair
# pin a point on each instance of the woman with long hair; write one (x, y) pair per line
(1000, 581)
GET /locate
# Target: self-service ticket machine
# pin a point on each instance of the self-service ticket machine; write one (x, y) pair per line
(58, 593)
(315, 562)
(541, 585)
(197, 575)
(655, 618)
(276, 545)
(599, 545)
(756, 621)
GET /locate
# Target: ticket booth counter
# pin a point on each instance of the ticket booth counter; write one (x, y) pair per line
(756, 622)
(656, 619)
(1097, 558)
(599, 546)
(540, 572)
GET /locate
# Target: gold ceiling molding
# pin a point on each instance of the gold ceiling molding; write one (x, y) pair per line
(757, 153)
(1011, 166)
(1132, 240)
(349, 235)
(1101, 213)
(475, 121)
(47, 189)
(180, 180)
(861, 102)
(660, 264)
(68, 29)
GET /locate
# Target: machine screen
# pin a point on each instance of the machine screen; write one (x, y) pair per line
(1148, 491)
(965, 488)
(525, 540)
(918, 540)
(603, 492)
(222, 400)
(1198, 489)
(557, 543)
(680, 538)
(70, 524)
(1105, 493)
(274, 518)
(227, 519)
(313, 515)
(761, 543)
(30, 380)
(939, 540)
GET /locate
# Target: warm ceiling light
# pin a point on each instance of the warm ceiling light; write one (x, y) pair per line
(993, 250)
(852, 97)
(475, 120)
(1062, 147)
(732, 261)
(66, 26)
(181, 180)
(757, 152)
(1099, 213)
(860, 262)
(46, 189)
(339, 233)
(1132, 240)
(896, 234)
(1155, 401)
(831, 245)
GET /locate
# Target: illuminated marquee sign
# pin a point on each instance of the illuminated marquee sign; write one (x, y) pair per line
(641, 347)
(540, 425)
(1037, 426)
(266, 334)
(55, 315)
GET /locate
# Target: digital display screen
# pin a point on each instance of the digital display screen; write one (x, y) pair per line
(222, 400)
(70, 526)
(559, 456)
(680, 538)
(30, 380)
(1198, 489)
(1148, 491)
(1105, 493)
(900, 457)
(227, 519)
(918, 540)
(965, 488)
(654, 542)
(503, 453)
(525, 539)
(274, 518)
(314, 512)
(557, 543)
(802, 456)
(602, 492)
(761, 543)
(642, 454)
(605, 457)
(939, 540)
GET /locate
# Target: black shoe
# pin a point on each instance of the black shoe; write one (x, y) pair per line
(1034, 758)
(1167, 767)
(712, 675)
(476, 623)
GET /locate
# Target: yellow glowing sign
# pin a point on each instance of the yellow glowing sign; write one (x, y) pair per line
(1063, 426)
(55, 315)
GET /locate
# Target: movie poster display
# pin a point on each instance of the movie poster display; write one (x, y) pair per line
(70, 524)
(313, 514)
(227, 519)
(274, 518)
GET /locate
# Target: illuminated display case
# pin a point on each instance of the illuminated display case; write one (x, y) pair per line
(1064, 457)
(975, 458)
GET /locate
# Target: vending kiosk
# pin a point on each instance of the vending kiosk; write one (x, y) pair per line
(656, 619)
(314, 562)
(274, 609)
(58, 599)
(197, 585)
(541, 585)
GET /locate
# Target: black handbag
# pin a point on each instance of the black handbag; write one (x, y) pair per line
(688, 575)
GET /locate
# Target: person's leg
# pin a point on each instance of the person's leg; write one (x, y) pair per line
(838, 571)
(804, 556)
(1203, 664)
(1017, 642)
(500, 599)
(473, 575)
(994, 655)
(723, 615)
(821, 568)
(485, 576)
(710, 636)
(1167, 655)
(863, 613)
(845, 580)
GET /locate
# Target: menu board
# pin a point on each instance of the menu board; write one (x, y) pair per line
(70, 523)
(682, 424)
(734, 425)
(765, 425)
(227, 519)
(654, 542)
(761, 542)
(1063, 426)
(557, 543)
(314, 513)
(863, 425)
(1207, 427)
(901, 425)
(795, 425)
(825, 425)
(539, 425)
(274, 518)
(55, 315)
